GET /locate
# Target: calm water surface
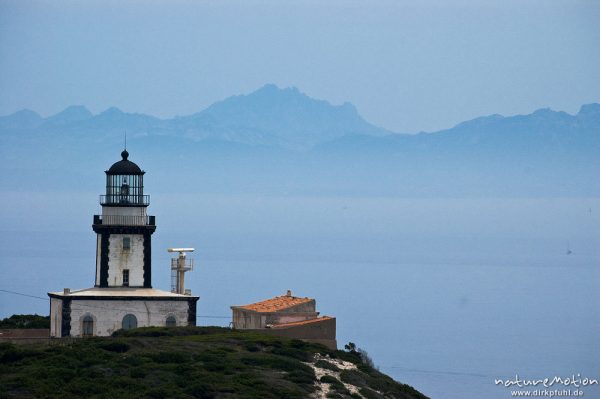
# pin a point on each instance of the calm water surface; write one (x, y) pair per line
(445, 294)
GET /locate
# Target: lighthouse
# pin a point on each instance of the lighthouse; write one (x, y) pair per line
(122, 295)
(124, 229)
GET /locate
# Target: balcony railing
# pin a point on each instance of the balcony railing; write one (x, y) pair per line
(121, 220)
(185, 265)
(125, 200)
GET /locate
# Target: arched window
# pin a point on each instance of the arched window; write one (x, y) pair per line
(171, 321)
(87, 329)
(129, 321)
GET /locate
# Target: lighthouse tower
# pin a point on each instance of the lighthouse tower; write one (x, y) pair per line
(124, 229)
(122, 295)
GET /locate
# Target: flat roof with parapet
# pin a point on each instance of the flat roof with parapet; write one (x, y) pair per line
(120, 293)
(274, 304)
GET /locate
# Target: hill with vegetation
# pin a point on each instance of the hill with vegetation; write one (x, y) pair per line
(25, 321)
(191, 362)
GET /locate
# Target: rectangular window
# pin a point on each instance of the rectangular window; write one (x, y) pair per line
(126, 243)
(126, 278)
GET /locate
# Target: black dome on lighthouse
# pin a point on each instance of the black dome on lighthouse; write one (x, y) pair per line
(124, 167)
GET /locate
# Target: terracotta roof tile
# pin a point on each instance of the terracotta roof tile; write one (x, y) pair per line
(300, 323)
(275, 304)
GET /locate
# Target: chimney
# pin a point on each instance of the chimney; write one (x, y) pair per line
(66, 291)
(289, 293)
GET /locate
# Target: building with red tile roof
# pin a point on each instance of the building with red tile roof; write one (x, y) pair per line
(289, 316)
(279, 303)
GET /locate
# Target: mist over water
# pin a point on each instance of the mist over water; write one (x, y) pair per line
(445, 294)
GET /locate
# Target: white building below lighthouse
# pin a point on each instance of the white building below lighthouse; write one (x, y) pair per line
(122, 296)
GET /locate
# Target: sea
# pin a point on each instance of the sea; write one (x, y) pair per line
(457, 297)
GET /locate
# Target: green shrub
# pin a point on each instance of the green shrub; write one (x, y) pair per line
(114, 346)
(159, 393)
(335, 384)
(301, 354)
(328, 379)
(252, 347)
(84, 387)
(138, 372)
(365, 368)
(271, 361)
(216, 361)
(224, 349)
(170, 357)
(302, 376)
(171, 331)
(248, 379)
(201, 390)
(298, 344)
(370, 394)
(324, 364)
(10, 353)
(353, 377)
(62, 374)
(386, 385)
(352, 357)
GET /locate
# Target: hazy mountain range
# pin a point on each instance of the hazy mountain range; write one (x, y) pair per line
(282, 141)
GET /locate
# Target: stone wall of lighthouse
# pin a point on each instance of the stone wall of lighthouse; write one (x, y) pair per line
(108, 314)
(127, 259)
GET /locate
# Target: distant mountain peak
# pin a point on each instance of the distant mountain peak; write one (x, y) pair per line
(550, 114)
(111, 111)
(24, 118)
(73, 113)
(479, 121)
(273, 88)
(279, 116)
(589, 114)
(543, 111)
(81, 109)
(589, 109)
(24, 113)
(268, 88)
(271, 91)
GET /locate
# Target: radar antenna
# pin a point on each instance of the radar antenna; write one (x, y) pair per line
(179, 266)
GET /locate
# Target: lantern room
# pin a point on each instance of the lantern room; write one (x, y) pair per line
(124, 184)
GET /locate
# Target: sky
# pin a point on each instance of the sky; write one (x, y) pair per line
(407, 66)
